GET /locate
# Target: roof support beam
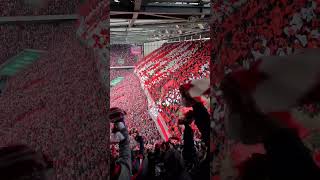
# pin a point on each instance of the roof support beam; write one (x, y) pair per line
(134, 18)
(185, 35)
(9, 19)
(185, 1)
(159, 24)
(179, 13)
(162, 16)
(122, 67)
(137, 6)
(153, 23)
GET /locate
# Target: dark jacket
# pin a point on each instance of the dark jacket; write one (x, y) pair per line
(125, 157)
(288, 158)
(143, 171)
(174, 166)
(200, 170)
(202, 120)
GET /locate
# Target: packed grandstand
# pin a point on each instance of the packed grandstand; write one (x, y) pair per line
(150, 92)
(54, 73)
(49, 102)
(153, 65)
(54, 78)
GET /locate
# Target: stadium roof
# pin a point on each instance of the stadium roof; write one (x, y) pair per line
(142, 21)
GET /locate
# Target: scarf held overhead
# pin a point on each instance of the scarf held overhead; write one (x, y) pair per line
(279, 83)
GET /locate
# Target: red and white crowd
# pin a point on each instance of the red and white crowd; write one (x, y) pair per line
(165, 69)
(244, 31)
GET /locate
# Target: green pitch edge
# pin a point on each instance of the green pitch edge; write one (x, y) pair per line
(116, 81)
(19, 62)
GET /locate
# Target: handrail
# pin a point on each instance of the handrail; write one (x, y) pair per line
(122, 67)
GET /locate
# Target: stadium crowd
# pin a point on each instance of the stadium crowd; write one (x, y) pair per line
(174, 159)
(184, 159)
(147, 149)
(162, 71)
(247, 30)
(129, 96)
(114, 73)
(52, 107)
(120, 55)
(17, 37)
(36, 7)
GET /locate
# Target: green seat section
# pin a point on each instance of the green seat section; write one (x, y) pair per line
(19, 62)
(116, 81)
